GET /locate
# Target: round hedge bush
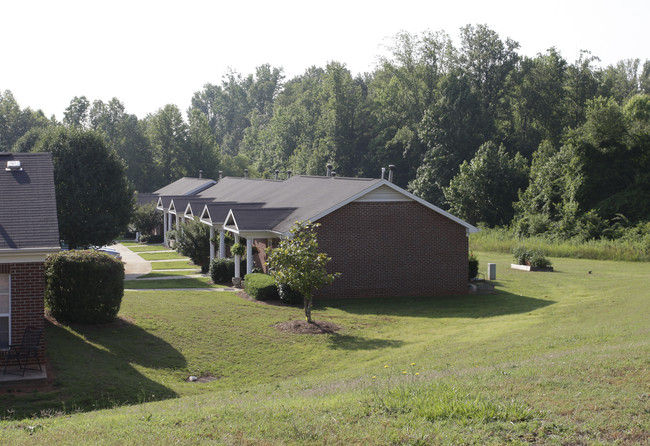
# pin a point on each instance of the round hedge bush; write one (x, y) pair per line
(83, 286)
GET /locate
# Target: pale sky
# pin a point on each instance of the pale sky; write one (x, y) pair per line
(151, 53)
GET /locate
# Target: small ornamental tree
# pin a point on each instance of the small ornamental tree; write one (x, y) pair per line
(297, 263)
(146, 218)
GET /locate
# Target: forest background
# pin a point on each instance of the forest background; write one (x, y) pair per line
(539, 145)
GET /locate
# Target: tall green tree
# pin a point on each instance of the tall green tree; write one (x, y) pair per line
(94, 200)
(167, 132)
(77, 113)
(486, 186)
(16, 123)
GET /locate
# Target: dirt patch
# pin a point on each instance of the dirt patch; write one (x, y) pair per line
(304, 327)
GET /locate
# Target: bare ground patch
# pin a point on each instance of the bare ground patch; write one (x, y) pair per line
(304, 327)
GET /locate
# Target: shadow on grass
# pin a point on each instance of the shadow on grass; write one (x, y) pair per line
(347, 342)
(94, 368)
(461, 306)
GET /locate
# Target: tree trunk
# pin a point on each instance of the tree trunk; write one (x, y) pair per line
(308, 308)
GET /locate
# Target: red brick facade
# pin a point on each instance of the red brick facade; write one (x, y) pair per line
(393, 249)
(27, 298)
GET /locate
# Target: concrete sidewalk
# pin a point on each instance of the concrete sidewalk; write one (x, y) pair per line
(134, 265)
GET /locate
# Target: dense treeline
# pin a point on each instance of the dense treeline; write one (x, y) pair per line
(541, 144)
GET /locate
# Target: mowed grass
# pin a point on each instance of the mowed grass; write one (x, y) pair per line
(146, 248)
(552, 358)
(170, 255)
(185, 272)
(173, 264)
(190, 282)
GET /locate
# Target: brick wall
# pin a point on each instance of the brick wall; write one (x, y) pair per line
(393, 249)
(27, 301)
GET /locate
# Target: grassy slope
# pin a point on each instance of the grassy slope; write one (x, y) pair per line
(191, 282)
(552, 358)
(174, 264)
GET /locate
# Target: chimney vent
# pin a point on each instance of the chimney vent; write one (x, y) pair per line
(391, 171)
(277, 172)
(329, 169)
(200, 173)
(289, 172)
(245, 173)
(383, 172)
(220, 175)
(333, 174)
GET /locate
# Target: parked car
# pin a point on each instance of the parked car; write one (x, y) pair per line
(110, 251)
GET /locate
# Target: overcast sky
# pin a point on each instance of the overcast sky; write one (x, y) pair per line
(151, 53)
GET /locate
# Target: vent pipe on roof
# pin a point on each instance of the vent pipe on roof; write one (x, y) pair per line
(383, 172)
(200, 173)
(289, 172)
(391, 171)
(245, 173)
(220, 175)
(13, 166)
(333, 174)
(277, 173)
(329, 169)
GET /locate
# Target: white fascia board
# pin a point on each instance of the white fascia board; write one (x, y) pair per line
(27, 255)
(159, 204)
(188, 212)
(470, 228)
(172, 207)
(226, 226)
(205, 216)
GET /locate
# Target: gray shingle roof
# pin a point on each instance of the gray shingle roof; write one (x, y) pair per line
(28, 217)
(186, 186)
(300, 198)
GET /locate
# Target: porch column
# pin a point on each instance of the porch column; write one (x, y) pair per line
(211, 243)
(249, 255)
(165, 228)
(237, 260)
(222, 243)
(178, 224)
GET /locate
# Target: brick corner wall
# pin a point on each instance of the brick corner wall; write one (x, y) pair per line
(27, 300)
(393, 249)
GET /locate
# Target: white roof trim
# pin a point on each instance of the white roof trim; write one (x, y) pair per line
(203, 219)
(470, 228)
(27, 255)
(226, 224)
(159, 204)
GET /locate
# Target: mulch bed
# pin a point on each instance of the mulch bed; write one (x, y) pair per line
(304, 327)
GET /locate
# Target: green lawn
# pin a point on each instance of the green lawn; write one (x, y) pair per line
(176, 264)
(145, 248)
(552, 358)
(185, 272)
(191, 282)
(171, 255)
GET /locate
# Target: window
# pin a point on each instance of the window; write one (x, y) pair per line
(5, 309)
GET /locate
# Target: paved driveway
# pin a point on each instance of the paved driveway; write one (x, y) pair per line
(134, 265)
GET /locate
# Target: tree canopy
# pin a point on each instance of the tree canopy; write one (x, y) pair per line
(428, 107)
(94, 200)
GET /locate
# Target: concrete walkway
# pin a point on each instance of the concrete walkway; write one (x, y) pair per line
(134, 265)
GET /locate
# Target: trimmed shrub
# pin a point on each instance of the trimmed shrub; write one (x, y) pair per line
(261, 286)
(289, 296)
(223, 270)
(83, 286)
(532, 257)
(154, 238)
(473, 266)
